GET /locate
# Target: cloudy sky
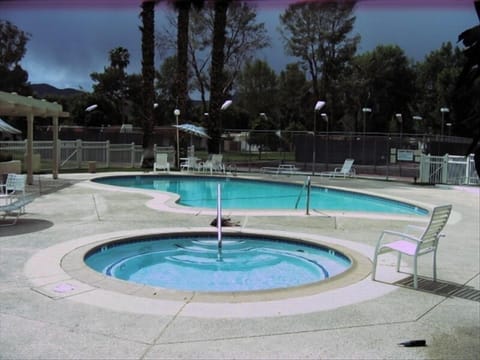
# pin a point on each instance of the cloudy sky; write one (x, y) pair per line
(71, 39)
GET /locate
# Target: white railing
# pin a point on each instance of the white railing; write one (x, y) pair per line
(76, 154)
(448, 169)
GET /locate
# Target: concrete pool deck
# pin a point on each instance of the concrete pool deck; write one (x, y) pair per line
(349, 325)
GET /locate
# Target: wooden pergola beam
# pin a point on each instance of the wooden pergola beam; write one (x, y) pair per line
(12, 104)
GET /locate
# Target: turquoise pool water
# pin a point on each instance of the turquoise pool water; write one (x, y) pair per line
(190, 262)
(255, 194)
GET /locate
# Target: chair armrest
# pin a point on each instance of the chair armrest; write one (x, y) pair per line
(396, 234)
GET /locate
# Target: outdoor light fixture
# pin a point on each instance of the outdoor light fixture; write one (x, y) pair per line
(91, 107)
(226, 105)
(318, 106)
(155, 105)
(176, 112)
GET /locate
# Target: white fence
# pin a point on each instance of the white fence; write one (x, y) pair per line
(448, 169)
(77, 154)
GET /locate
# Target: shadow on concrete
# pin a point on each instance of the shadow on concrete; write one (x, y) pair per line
(24, 226)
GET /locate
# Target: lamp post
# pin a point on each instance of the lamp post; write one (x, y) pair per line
(449, 126)
(365, 110)
(400, 120)
(443, 110)
(176, 112)
(325, 117)
(318, 106)
(224, 106)
(417, 118)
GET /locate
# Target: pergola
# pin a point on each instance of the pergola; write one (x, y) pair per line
(12, 104)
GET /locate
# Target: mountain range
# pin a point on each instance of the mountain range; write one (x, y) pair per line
(45, 90)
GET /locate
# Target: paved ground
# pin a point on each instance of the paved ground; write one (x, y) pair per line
(33, 325)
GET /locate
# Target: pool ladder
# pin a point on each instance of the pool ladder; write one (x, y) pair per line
(219, 222)
(306, 184)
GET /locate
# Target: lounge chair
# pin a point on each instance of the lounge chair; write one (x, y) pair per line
(161, 162)
(289, 169)
(13, 189)
(415, 246)
(215, 163)
(344, 171)
(14, 208)
(191, 163)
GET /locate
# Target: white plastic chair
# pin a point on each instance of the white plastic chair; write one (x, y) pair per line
(14, 189)
(191, 163)
(344, 171)
(215, 163)
(415, 246)
(161, 162)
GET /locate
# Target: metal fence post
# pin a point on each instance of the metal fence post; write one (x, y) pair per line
(132, 155)
(424, 167)
(444, 179)
(107, 153)
(78, 145)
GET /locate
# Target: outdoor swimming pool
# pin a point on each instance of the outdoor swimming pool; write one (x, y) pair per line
(201, 192)
(191, 262)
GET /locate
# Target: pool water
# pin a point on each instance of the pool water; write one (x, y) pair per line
(255, 194)
(192, 263)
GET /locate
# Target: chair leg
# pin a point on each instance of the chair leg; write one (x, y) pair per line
(415, 277)
(374, 269)
(435, 265)
(399, 259)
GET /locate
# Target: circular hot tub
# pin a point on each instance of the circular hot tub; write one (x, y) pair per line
(200, 262)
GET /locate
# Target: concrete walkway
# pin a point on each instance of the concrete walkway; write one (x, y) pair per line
(35, 325)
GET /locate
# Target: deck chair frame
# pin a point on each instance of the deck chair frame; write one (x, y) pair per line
(161, 162)
(344, 171)
(415, 246)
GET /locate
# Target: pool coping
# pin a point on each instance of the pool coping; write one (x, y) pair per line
(59, 272)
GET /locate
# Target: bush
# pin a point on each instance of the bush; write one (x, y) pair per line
(5, 157)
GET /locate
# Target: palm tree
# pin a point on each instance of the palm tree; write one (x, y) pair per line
(148, 77)
(217, 75)
(183, 7)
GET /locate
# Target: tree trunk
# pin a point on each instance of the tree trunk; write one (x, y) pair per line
(182, 56)
(148, 77)
(216, 82)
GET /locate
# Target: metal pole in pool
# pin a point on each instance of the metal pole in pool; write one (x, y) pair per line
(308, 195)
(219, 222)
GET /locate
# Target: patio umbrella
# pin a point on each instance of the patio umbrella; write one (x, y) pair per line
(193, 130)
(6, 128)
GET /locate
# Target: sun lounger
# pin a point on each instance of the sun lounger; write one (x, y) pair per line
(280, 169)
(344, 171)
(14, 208)
(161, 162)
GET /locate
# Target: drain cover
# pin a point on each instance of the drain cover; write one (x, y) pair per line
(442, 288)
